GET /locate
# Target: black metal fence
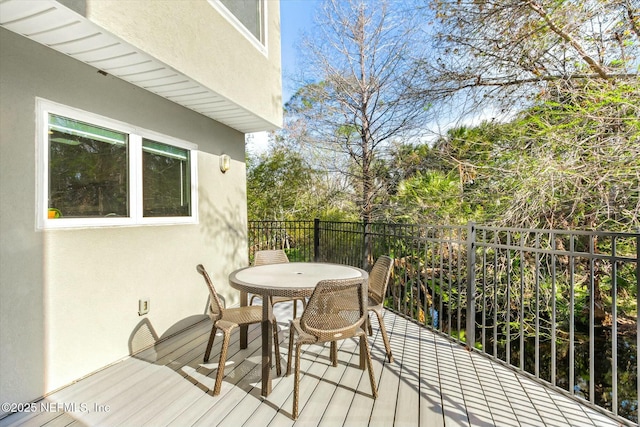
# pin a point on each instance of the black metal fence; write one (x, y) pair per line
(558, 305)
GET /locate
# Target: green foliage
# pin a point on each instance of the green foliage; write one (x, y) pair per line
(571, 161)
(277, 185)
(281, 185)
(462, 336)
(429, 192)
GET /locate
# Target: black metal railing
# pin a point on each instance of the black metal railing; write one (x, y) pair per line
(559, 305)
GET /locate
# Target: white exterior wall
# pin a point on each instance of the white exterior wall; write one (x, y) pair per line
(69, 298)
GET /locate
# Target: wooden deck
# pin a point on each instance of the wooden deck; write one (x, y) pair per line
(432, 382)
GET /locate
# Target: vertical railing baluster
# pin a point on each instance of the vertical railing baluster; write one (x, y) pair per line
(420, 264)
(484, 291)
(436, 275)
(339, 240)
(508, 298)
(536, 272)
(572, 332)
(308, 241)
(496, 302)
(343, 240)
(440, 285)
(637, 238)
(522, 290)
(592, 306)
(554, 355)
(459, 284)
(425, 311)
(450, 291)
(415, 263)
(471, 284)
(614, 327)
(429, 265)
(326, 240)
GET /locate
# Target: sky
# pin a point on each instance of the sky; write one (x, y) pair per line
(296, 16)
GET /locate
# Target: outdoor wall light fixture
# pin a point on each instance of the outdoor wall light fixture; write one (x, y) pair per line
(225, 163)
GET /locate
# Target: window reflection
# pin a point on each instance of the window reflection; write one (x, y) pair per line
(88, 170)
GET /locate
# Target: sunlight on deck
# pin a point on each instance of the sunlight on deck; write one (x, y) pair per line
(432, 382)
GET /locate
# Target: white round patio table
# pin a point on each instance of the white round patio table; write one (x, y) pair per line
(290, 279)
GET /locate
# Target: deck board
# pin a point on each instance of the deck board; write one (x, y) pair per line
(430, 397)
(384, 408)
(494, 394)
(453, 403)
(407, 411)
(474, 398)
(341, 400)
(433, 381)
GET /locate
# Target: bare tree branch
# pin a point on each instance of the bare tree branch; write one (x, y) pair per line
(508, 50)
(362, 64)
(567, 37)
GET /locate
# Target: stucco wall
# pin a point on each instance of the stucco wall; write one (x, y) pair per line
(69, 298)
(167, 33)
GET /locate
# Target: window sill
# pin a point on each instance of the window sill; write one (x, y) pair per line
(80, 223)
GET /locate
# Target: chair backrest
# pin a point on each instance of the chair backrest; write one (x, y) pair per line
(379, 278)
(336, 309)
(272, 256)
(216, 309)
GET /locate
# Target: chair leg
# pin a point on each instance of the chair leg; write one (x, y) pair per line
(223, 360)
(362, 362)
(276, 345)
(334, 353)
(212, 336)
(296, 384)
(290, 351)
(385, 337)
(295, 306)
(370, 330)
(372, 380)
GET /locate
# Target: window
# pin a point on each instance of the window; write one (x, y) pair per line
(249, 13)
(95, 171)
(166, 183)
(248, 16)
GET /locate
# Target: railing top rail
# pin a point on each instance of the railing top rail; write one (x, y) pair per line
(271, 221)
(557, 252)
(478, 227)
(557, 231)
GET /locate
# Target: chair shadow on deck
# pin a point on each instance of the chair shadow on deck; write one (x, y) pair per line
(144, 336)
(181, 349)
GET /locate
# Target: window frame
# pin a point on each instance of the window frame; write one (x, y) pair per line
(135, 184)
(261, 45)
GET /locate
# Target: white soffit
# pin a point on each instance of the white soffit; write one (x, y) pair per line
(53, 25)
